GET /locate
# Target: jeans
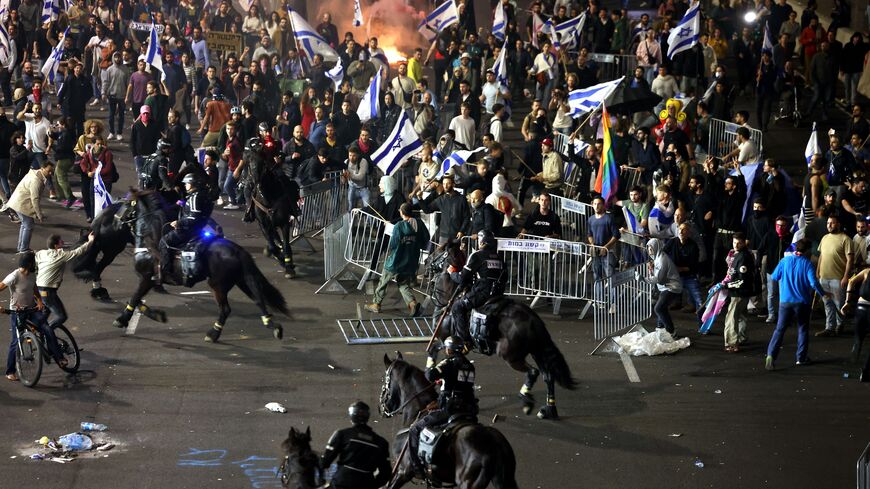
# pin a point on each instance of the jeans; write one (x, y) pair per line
(650, 73)
(355, 194)
(823, 94)
(231, 187)
(4, 177)
(404, 283)
(116, 115)
(662, 310)
(763, 106)
(24, 232)
(138, 161)
(602, 268)
(38, 318)
(735, 321)
(852, 88)
(54, 306)
(772, 296)
(833, 319)
(693, 290)
(544, 92)
(788, 312)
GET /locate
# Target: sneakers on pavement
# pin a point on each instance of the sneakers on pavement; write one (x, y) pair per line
(111, 136)
(231, 207)
(768, 363)
(826, 333)
(770, 320)
(375, 308)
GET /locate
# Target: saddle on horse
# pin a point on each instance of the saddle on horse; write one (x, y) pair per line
(434, 439)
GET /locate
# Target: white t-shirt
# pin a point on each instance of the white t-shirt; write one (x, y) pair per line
(491, 95)
(495, 128)
(21, 288)
(748, 152)
(36, 132)
(465, 130)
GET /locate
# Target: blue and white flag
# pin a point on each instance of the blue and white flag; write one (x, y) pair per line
(154, 54)
(749, 171)
(370, 106)
(798, 231)
(685, 34)
(402, 143)
(49, 69)
(549, 30)
(630, 221)
(660, 220)
(499, 23)
(442, 17)
(458, 158)
(102, 198)
(309, 41)
(587, 99)
(51, 10)
(6, 54)
(357, 14)
(710, 90)
(767, 41)
(812, 145)
(568, 32)
(336, 74)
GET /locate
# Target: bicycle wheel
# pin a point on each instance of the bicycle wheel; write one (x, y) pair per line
(68, 348)
(28, 359)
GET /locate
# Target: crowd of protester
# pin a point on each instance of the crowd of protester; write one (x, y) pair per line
(694, 205)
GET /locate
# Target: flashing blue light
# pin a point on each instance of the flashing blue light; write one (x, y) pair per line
(207, 234)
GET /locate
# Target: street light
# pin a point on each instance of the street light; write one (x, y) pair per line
(750, 17)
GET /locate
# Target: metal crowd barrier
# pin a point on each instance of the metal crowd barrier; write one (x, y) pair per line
(723, 138)
(335, 266)
(631, 177)
(621, 301)
(863, 469)
(319, 205)
(612, 66)
(574, 216)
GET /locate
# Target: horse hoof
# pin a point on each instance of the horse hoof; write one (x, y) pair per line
(119, 323)
(278, 332)
(290, 274)
(266, 252)
(160, 316)
(528, 401)
(160, 289)
(212, 336)
(548, 412)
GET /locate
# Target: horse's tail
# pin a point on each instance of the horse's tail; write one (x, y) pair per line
(549, 358)
(84, 266)
(255, 282)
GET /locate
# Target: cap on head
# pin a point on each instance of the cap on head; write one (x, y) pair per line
(235, 110)
(145, 109)
(547, 142)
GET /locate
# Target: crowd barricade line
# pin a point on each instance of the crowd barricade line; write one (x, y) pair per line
(335, 266)
(574, 216)
(319, 205)
(723, 137)
(613, 66)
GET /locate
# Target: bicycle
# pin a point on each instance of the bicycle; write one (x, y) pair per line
(32, 351)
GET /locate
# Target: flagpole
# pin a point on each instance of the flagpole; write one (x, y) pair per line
(588, 117)
(296, 40)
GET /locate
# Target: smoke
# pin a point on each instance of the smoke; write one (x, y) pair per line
(393, 22)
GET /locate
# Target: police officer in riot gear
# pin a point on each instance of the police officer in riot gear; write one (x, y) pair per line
(192, 217)
(359, 452)
(154, 173)
(484, 273)
(456, 374)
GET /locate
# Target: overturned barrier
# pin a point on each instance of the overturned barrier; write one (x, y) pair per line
(319, 205)
(335, 266)
(621, 302)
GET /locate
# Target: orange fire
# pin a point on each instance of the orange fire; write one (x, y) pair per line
(393, 54)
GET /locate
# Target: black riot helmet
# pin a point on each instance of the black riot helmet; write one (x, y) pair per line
(254, 144)
(454, 344)
(485, 238)
(359, 413)
(163, 143)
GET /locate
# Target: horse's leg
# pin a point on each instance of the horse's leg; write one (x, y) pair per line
(220, 296)
(549, 410)
(532, 373)
(123, 319)
(255, 292)
(271, 249)
(97, 290)
(289, 268)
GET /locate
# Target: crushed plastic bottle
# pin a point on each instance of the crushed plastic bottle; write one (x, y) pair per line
(76, 442)
(699, 463)
(276, 407)
(93, 426)
(44, 440)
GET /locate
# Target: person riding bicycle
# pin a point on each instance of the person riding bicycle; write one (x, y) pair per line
(154, 174)
(456, 374)
(192, 217)
(358, 452)
(484, 274)
(50, 264)
(25, 304)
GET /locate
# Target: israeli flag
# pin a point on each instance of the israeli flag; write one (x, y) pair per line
(246, 4)
(812, 145)
(357, 14)
(309, 40)
(49, 69)
(499, 23)
(685, 34)
(587, 99)
(402, 143)
(370, 106)
(102, 198)
(710, 90)
(154, 55)
(6, 54)
(568, 32)
(458, 158)
(442, 17)
(550, 31)
(501, 76)
(798, 231)
(630, 221)
(336, 74)
(51, 10)
(767, 42)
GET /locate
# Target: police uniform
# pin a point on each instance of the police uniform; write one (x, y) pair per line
(487, 269)
(192, 217)
(359, 452)
(456, 396)
(154, 173)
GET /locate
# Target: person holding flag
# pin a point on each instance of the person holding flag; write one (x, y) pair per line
(98, 172)
(607, 180)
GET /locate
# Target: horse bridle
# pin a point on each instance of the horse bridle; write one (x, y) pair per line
(293, 460)
(385, 395)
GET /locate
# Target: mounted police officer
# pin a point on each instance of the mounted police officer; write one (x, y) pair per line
(192, 217)
(154, 174)
(456, 374)
(485, 273)
(359, 452)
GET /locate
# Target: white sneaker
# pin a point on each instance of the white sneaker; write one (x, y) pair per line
(118, 137)
(95, 102)
(231, 207)
(187, 126)
(220, 201)
(111, 136)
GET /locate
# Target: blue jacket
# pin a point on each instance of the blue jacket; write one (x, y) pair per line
(797, 280)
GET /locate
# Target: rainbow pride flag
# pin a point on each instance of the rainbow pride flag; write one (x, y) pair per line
(607, 180)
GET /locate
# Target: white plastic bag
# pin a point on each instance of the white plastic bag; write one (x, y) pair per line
(659, 342)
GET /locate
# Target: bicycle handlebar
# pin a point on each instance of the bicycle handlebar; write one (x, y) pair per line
(4, 310)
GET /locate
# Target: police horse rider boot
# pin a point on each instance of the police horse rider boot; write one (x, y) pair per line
(456, 399)
(361, 455)
(502, 326)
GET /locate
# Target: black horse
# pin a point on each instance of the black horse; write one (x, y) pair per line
(225, 264)
(473, 455)
(301, 466)
(274, 199)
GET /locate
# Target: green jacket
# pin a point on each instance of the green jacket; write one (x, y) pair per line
(409, 237)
